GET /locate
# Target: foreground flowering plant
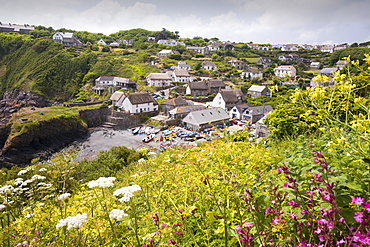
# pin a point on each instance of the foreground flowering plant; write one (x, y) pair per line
(315, 213)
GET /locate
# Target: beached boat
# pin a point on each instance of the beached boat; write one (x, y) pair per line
(149, 138)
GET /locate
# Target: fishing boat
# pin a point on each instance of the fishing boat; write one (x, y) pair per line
(148, 138)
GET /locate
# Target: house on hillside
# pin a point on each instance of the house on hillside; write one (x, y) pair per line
(166, 53)
(66, 38)
(139, 102)
(257, 90)
(329, 72)
(101, 42)
(197, 88)
(327, 48)
(183, 65)
(251, 73)
(207, 118)
(288, 58)
(315, 65)
(228, 98)
(170, 42)
(285, 70)
(112, 84)
(264, 61)
(117, 98)
(341, 63)
(255, 113)
(238, 64)
(209, 65)
(327, 75)
(173, 103)
(200, 50)
(158, 80)
(237, 111)
(180, 75)
(11, 28)
(182, 111)
(215, 85)
(290, 47)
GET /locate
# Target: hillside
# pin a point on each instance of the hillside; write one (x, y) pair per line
(306, 185)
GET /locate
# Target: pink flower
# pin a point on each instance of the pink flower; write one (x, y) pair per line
(293, 216)
(279, 169)
(357, 200)
(359, 216)
(276, 220)
(367, 207)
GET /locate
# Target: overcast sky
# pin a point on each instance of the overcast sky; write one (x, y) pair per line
(258, 21)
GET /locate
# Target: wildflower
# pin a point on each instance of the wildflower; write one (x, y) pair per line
(126, 192)
(342, 241)
(29, 215)
(359, 216)
(37, 177)
(341, 220)
(179, 233)
(71, 222)
(367, 207)
(357, 200)
(293, 204)
(293, 216)
(171, 241)
(102, 182)
(64, 196)
(276, 220)
(117, 214)
(21, 172)
(43, 170)
(7, 189)
(2, 207)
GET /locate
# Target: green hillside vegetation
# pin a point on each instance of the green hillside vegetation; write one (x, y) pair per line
(307, 185)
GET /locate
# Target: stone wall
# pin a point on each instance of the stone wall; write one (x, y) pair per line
(95, 117)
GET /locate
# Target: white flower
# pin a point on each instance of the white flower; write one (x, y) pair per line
(71, 222)
(102, 182)
(2, 207)
(18, 181)
(21, 172)
(7, 189)
(141, 161)
(64, 196)
(29, 215)
(43, 170)
(37, 177)
(127, 192)
(117, 214)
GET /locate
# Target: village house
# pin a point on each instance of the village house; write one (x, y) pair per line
(139, 102)
(290, 47)
(170, 42)
(315, 65)
(307, 47)
(183, 65)
(237, 111)
(327, 75)
(251, 73)
(158, 80)
(66, 38)
(207, 118)
(329, 72)
(166, 53)
(209, 65)
(285, 70)
(257, 90)
(340, 47)
(261, 129)
(182, 111)
(215, 85)
(213, 47)
(173, 103)
(180, 75)
(228, 98)
(197, 88)
(327, 48)
(128, 42)
(288, 58)
(112, 84)
(238, 64)
(11, 28)
(117, 98)
(101, 42)
(264, 61)
(200, 50)
(341, 63)
(255, 113)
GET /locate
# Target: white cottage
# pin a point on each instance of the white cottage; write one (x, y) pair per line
(285, 70)
(139, 102)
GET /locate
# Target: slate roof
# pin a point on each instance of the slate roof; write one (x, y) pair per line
(232, 95)
(176, 102)
(105, 78)
(258, 110)
(328, 70)
(186, 109)
(252, 70)
(208, 63)
(209, 115)
(242, 107)
(257, 88)
(141, 98)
